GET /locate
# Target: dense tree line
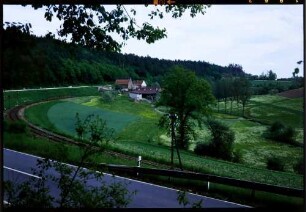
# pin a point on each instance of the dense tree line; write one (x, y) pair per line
(269, 75)
(30, 61)
(232, 89)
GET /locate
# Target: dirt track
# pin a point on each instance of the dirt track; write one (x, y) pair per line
(295, 93)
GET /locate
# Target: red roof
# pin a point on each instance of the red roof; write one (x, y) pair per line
(122, 81)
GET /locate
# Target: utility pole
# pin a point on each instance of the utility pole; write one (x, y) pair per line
(173, 117)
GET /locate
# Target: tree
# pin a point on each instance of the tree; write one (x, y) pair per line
(92, 25)
(244, 91)
(187, 96)
(225, 90)
(271, 75)
(218, 92)
(236, 69)
(231, 91)
(295, 72)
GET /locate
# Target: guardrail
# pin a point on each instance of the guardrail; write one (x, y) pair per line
(206, 177)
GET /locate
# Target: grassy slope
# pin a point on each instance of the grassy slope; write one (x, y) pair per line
(58, 151)
(13, 98)
(141, 145)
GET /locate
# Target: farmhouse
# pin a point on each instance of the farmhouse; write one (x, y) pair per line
(139, 84)
(148, 93)
(126, 84)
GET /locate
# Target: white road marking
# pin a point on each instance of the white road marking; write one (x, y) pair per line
(22, 153)
(25, 173)
(136, 180)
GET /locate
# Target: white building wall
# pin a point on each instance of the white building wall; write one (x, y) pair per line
(135, 96)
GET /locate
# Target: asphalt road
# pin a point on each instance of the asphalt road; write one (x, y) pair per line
(17, 168)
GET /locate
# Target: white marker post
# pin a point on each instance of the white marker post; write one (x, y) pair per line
(138, 161)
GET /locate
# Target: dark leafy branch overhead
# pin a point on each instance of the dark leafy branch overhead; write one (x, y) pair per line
(92, 25)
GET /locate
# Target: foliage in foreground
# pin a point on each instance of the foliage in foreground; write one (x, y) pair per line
(35, 192)
(72, 182)
(183, 200)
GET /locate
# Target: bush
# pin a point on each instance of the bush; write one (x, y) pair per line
(222, 139)
(275, 163)
(221, 143)
(299, 166)
(237, 157)
(279, 132)
(273, 91)
(107, 96)
(203, 149)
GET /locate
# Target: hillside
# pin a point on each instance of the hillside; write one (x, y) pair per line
(30, 61)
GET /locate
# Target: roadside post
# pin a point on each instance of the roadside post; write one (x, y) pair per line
(138, 162)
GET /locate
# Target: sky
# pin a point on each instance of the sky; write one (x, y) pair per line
(257, 37)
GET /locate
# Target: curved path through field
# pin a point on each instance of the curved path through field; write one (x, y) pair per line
(17, 113)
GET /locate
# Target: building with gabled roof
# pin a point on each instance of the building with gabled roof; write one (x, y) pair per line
(139, 84)
(124, 83)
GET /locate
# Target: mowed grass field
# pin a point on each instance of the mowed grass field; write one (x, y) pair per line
(62, 114)
(137, 134)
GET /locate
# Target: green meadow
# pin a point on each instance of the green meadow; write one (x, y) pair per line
(137, 133)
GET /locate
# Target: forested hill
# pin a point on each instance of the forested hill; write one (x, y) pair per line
(30, 61)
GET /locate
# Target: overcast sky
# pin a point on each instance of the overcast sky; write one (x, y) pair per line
(258, 37)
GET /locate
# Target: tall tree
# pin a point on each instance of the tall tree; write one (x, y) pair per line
(187, 96)
(231, 91)
(244, 92)
(295, 72)
(218, 92)
(271, 75)
(225, 86)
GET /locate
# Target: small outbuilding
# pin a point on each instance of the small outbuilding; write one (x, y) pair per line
(144, 93)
